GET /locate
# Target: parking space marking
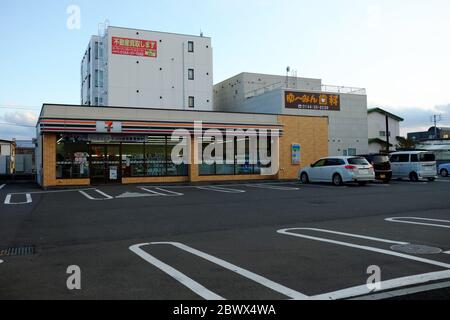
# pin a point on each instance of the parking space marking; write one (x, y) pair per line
(272, 187)
(106, 196)
(397, 220)
(320, 186)
(221, 189)
(163, 192)
(2, 186)
(52, 191)
(193, 286)
(384, 285)
(8, 200)
(446, 252)
(174, 273)
(356, 246)
(405, 292)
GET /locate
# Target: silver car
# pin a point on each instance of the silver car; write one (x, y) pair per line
(339, 170)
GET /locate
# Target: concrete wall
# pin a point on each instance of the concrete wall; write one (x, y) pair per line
(234, 91)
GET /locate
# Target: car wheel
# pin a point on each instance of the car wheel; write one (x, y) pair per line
(444, 173)
(337, 180)
(304, 178)
(413, 177)
(431, 179)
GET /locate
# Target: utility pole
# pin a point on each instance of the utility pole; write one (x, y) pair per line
(388, 149)
(436, 118)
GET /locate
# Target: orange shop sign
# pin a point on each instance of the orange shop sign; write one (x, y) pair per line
(312, 101)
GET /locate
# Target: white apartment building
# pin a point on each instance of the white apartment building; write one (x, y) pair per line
(147, 69)
(345, 107)
(380, 130)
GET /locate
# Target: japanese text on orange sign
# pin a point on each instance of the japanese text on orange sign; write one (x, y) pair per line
(134, 47)
(312, 101)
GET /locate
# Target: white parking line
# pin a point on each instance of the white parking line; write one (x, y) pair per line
(446, 252)
(52, 191)
(321, 186)
(174, 273)
(8, 200)
(2, 186)
(202, 291)
(271, 187)
(405, 292)
(163, 192)
(384, 285)
(106, 196)
(397, 220)
(366, 248)
(220, 189)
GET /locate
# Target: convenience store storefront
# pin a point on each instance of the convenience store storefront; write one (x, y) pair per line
(80, 145)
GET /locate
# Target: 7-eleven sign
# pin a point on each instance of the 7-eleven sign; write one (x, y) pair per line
(109, 126)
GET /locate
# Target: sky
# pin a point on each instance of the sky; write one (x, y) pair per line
(398, 50)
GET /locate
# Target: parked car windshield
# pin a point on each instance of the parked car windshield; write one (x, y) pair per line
(427, 157)
(358, 161)
(380, 159)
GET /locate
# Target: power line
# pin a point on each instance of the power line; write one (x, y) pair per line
(31, 108)
(17, 125)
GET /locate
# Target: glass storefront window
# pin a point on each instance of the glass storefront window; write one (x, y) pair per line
(71, 159)
(155, 156)
(133, 161)
(173, 169)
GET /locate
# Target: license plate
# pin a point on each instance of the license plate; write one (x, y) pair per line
(383, 176)
(363, 171)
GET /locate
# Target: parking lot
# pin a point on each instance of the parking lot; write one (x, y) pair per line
(265, 240)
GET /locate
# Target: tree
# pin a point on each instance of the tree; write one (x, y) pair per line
(405, 143)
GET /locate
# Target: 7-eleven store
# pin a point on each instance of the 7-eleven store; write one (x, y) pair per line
(80, 145)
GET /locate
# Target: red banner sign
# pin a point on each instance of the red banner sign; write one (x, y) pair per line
(134, 47)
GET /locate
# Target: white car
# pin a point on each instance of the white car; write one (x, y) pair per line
(414, 165)
(338, 170)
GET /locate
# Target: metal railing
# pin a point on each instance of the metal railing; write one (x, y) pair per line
(324, 88)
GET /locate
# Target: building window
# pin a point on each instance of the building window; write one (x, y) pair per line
(191, 74)
(244, 164)
(191, 102)
(133, 161)
(191, 46)
(96, 50)
(98, 79)
(71, 159)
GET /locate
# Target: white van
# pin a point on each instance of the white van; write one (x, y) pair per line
(414, 165)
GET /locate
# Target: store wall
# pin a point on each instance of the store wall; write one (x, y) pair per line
(49, 165)
(312, 135)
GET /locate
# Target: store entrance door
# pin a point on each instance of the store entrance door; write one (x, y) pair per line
(105, 164)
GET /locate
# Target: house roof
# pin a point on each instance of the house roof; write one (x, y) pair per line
(386, 113)
(379, 141)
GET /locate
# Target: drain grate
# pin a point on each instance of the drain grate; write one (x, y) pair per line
(416, 249)
(17, 251)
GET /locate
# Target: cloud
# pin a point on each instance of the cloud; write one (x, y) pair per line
(18, 124)
(420, 119)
